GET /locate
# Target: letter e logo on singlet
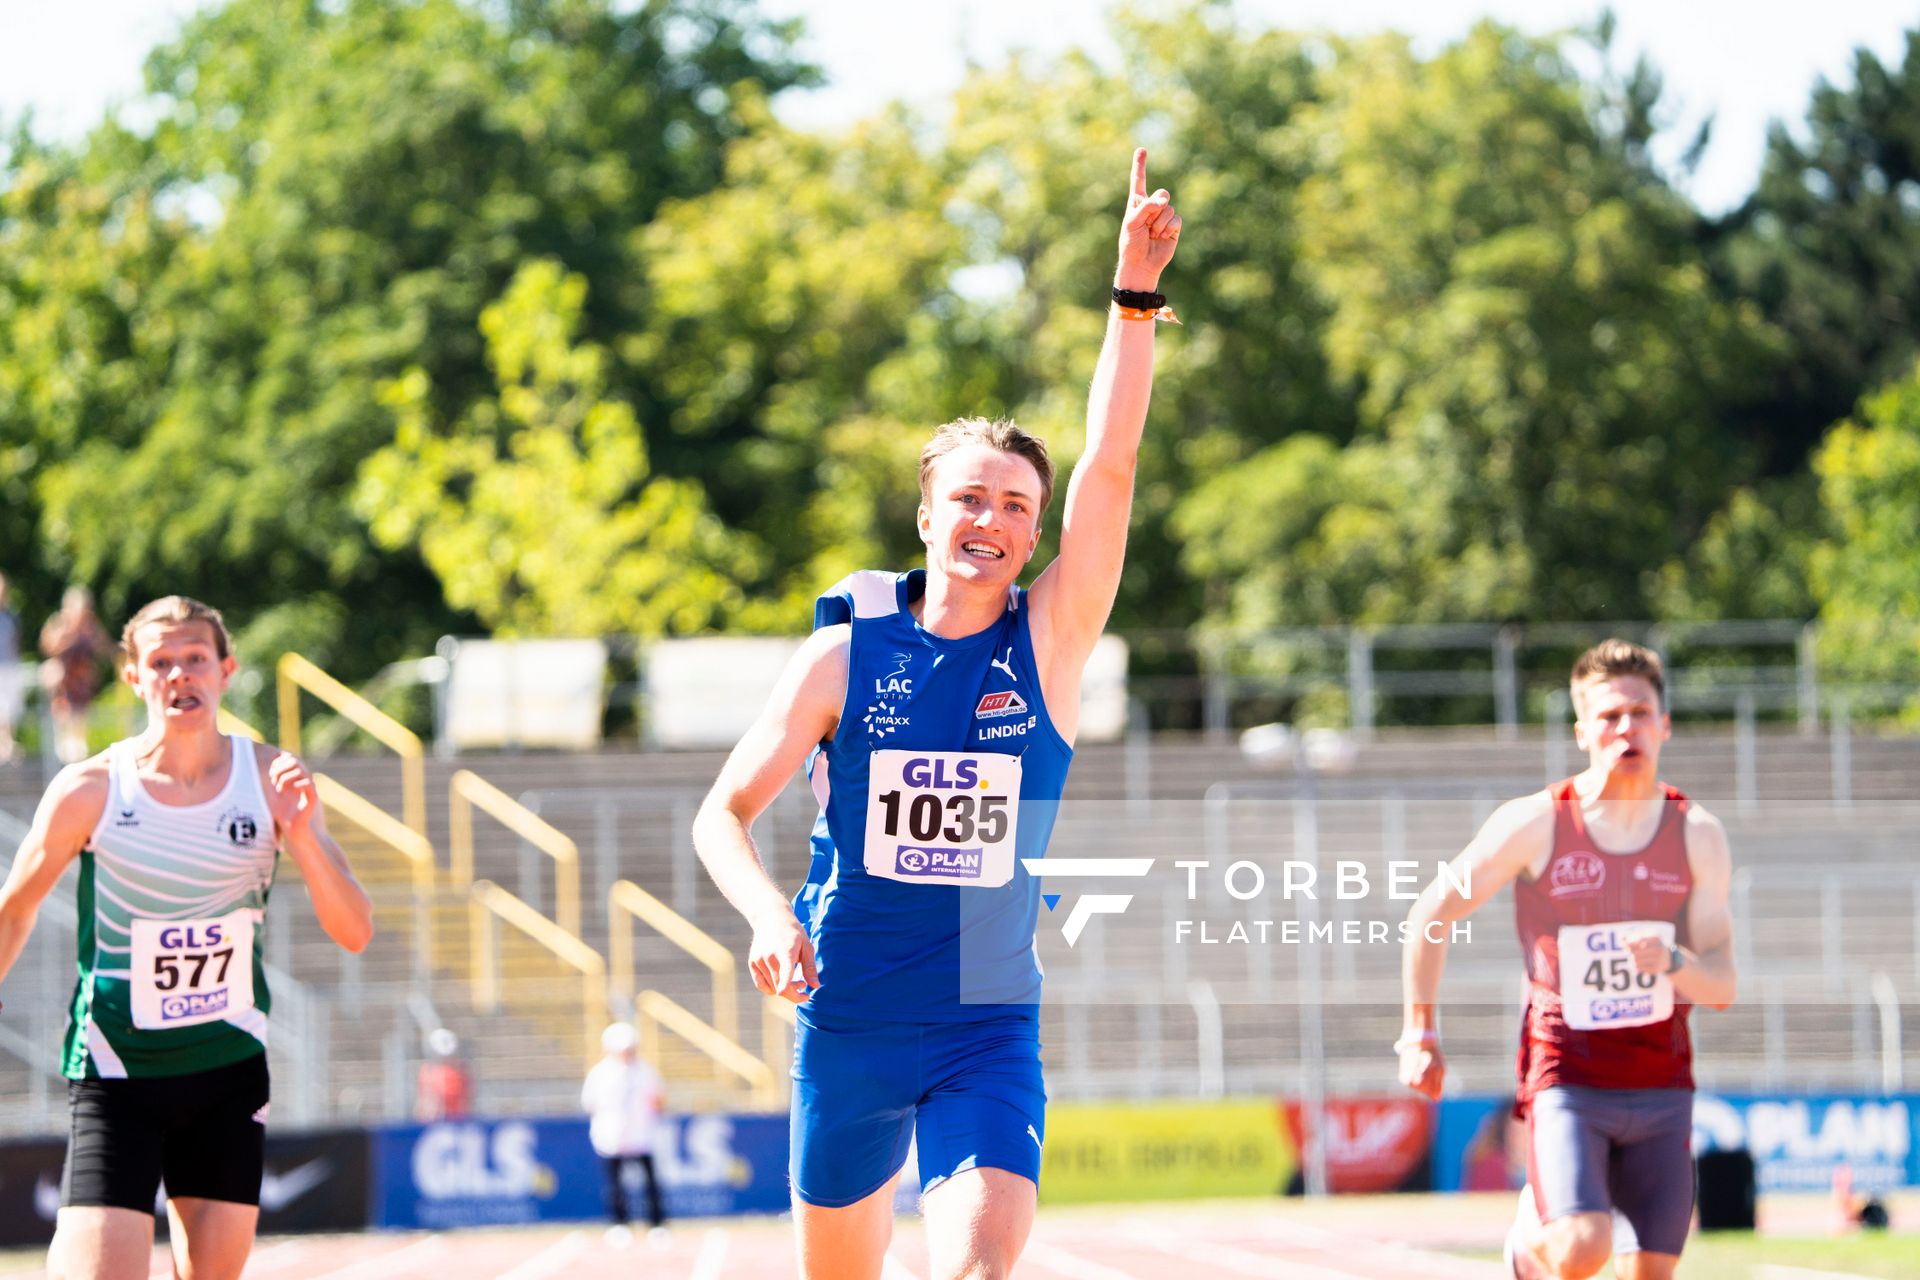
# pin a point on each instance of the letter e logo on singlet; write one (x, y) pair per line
(238, 826)
(1576, 872)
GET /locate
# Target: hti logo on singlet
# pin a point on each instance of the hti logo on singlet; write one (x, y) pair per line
(1007, 702)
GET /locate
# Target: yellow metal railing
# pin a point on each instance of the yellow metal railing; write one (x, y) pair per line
(489, 904)
(467, 791)
(652, 1012)
(404, 840)
(295, 673)
(382, 826)
(626, 902)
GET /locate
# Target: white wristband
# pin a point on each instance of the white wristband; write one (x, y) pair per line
(1414, 1039)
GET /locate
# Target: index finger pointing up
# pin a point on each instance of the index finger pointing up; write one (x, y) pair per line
(1140, 171)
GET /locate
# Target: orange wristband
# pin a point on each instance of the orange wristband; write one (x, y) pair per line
(1142, 313)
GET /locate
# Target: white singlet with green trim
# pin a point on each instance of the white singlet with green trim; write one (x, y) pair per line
(171, 903)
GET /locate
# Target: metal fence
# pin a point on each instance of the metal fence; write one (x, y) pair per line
(1505, 675)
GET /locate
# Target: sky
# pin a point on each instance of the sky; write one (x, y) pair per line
(1745, 62)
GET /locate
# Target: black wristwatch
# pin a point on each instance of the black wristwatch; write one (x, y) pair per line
(1676, 960)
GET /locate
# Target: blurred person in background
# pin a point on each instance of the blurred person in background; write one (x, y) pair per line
(1621, 897)
(444, 1087)
(11, 691)
(75, 646)
(624, 1102)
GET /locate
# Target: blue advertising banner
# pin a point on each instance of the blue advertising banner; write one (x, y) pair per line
(1478, 1145)
(484, 1172)
(1797, 1143)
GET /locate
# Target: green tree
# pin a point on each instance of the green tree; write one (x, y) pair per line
(1866, 572)
(1829, 247)
(84, 248)
(538, 510)
(1753, 560)
(1518, 301)
(342, 189)
(775, 303)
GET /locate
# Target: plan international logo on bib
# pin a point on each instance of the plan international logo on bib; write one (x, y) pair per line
(955, 864)
(1615, 1009)
(192, 1006)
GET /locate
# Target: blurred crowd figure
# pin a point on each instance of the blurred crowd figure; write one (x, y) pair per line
(444, 1089)
(75, 646)
(623, 1101)
(12, 687)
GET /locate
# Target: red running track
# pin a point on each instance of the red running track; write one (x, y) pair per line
(1284, 1240)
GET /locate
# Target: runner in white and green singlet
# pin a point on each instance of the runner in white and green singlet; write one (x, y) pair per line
(177, 833)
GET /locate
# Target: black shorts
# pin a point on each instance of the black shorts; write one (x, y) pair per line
(203, 1134)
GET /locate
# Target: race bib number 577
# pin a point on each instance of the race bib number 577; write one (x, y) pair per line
(1599, 988)
(186, 972)
(942, 817)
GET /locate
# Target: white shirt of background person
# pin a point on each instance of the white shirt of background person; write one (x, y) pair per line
(622, 1096)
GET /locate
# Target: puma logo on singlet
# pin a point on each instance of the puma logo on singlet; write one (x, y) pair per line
(1006, 664)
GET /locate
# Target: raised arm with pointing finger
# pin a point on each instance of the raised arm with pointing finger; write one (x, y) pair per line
(935, 711)
(1072, 597)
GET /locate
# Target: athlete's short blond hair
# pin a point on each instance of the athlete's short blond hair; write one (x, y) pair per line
(999, 433)
(175, 609)
(1617, 657)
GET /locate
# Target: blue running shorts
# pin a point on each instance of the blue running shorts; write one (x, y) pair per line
(1628, 1151)
(971, 1090)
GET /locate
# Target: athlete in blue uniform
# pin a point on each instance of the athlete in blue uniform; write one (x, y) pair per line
(936, 712)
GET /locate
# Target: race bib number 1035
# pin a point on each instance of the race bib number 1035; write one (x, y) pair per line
(942, 817)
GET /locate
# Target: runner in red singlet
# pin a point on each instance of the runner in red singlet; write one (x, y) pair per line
(1620, 894)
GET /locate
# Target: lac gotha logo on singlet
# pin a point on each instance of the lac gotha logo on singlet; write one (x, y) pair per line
(1576, 872)
(884, 716)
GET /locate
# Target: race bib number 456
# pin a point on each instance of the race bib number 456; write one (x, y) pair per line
(942, 817)
(1600, 990)
(186, 972)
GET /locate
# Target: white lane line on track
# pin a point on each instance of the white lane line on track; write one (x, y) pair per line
(551, 1260)
(404, 1261)
(891, 1268)
(1071, 1265)
(277, 1256)
(1405, 1258)
(712, 1258)
(1775, 1271)
(1216, 1258)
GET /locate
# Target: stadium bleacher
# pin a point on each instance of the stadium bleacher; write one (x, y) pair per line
(1828, 897)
